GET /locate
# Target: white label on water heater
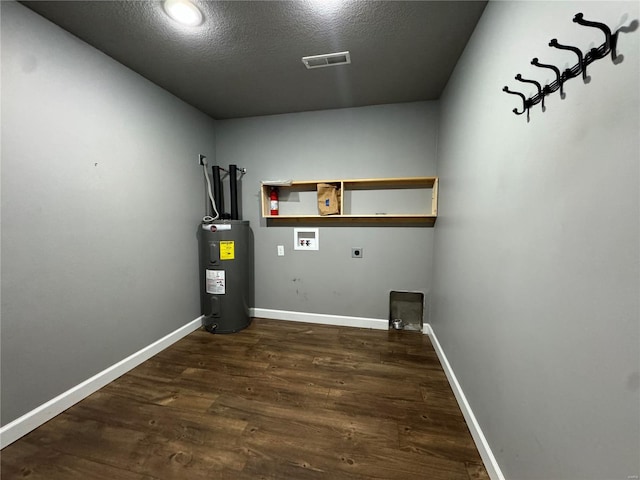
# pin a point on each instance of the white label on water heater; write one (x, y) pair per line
(215, 282)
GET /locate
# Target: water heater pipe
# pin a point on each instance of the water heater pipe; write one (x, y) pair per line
(218, 194)
(233, 190)
(208, 218)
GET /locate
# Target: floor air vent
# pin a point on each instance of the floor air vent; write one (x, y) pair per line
(327, 60)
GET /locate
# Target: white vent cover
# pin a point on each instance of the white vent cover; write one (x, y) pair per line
(327, 60)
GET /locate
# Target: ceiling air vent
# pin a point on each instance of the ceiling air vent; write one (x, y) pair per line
(327, 60)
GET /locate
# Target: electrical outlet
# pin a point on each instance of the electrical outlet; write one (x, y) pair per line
(202, 160)
(357, 252)
(281, 250)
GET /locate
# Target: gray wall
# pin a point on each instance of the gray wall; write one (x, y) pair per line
(537, 244)
(379, 141)
(101, 195)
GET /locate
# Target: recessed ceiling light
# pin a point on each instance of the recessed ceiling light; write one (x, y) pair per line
(184, 12)
(327, 7)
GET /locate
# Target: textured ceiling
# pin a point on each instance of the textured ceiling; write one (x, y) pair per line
(245, 59)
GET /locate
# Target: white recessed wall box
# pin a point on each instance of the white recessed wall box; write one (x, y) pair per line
(327, 60)
(306, 239)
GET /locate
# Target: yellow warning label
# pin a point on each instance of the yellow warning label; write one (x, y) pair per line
(227, 250)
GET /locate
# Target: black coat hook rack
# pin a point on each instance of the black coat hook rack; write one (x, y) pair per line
(580, 68)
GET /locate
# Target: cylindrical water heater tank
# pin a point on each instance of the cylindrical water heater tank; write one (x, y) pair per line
(226, 270)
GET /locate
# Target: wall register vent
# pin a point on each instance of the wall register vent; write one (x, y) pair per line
(327, 60)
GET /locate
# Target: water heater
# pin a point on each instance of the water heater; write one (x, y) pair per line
(226, 267)
(226, 258)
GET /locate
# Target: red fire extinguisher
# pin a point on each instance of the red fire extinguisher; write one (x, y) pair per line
(273, 197)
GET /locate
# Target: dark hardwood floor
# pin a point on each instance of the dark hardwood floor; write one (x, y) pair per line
(279, 400)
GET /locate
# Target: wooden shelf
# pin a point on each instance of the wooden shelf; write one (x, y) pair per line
(298, 204)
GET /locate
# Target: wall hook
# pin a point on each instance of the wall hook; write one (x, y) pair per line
(524, 101)
(556, 70)
(562, 76)
(608, 43)
(538, 86)
(569, 73)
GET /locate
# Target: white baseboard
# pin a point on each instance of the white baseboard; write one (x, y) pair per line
(493, 469)
(45, 412)
(361, 322)
(490, 463)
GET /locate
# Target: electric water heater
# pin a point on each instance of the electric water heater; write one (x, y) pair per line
(226, 266)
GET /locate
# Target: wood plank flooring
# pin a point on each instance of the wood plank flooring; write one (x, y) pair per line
(279, 400)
